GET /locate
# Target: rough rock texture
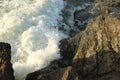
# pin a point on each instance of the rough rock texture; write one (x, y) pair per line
(92, 54)
(58, 74)
(6, 70)
(98, 54)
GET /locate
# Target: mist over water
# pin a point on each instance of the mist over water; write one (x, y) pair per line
(31, 27)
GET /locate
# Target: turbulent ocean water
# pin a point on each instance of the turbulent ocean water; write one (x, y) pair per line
(31, 27)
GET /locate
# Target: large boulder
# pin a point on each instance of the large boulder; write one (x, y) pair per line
(6, 70)
(59, 74)
(98, 54)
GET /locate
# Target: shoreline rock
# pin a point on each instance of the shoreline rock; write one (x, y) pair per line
(92, 54)
(6, 70)
(96, 54)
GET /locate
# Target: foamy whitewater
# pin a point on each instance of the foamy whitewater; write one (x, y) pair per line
(30, 26)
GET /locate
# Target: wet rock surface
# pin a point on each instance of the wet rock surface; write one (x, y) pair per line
(6, 70)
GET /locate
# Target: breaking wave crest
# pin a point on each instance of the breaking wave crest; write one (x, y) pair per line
(30, 26)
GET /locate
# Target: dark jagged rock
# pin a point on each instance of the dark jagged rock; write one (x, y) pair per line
(81, 15)
(6, 70)
(70, 14)
(59, 74)
(81, 18)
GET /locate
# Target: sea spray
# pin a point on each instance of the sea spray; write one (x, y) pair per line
(30, 26)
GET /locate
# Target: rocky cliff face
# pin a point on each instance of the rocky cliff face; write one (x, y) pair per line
(6, 70)
(92, 54)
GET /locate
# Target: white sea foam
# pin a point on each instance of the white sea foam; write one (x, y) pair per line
(30, 26)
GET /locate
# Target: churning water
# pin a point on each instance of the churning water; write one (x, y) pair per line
(31, 27)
